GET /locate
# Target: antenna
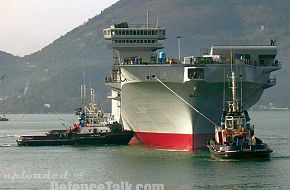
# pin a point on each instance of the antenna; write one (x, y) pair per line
(148, 19)
(224, 95)
(231, 50)
(157, 22)
(84, 79)
(236, 63)
(234, 91)
(83, 88)
(178, 40)
(241, 78)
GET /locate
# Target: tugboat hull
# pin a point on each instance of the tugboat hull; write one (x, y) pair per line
(48, 142)
(4, 119)
(121, 138)
(241, 155)
(108, 139)
(222, 152)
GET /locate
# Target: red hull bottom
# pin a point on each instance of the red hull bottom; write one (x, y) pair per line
(188, 142)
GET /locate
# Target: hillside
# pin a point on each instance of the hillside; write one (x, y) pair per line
(53, 74)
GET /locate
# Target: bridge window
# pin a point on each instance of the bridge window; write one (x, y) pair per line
(266, 59)
(229, 124)
(195, 73)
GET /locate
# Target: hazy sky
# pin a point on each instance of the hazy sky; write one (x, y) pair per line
(27, 26)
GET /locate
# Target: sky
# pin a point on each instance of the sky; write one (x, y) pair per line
(26, 26)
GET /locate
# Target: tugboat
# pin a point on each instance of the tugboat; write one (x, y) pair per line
(92, 129)
(235, 138)
(3, 118)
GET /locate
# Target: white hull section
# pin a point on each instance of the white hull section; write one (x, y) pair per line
(149, 107)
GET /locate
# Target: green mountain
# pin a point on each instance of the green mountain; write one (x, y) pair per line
(53, 75)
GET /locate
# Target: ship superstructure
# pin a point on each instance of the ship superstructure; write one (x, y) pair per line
(159, 117)
(136, 45)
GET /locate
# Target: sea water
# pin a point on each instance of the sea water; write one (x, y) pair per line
(137, 167)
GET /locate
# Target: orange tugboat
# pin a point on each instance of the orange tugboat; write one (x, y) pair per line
(235, 138)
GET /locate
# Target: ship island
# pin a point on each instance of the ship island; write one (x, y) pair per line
(153, 94)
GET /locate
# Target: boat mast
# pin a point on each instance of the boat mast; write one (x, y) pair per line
(235, 106)
(224, 91)
(83, 90)
(234, 92)
(231, 51)
(3, 94)
(241, 78)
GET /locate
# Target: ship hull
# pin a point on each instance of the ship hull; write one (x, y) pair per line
(159, 118)
(173, 141)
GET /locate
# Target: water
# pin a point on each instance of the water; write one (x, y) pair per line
(51, 167)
